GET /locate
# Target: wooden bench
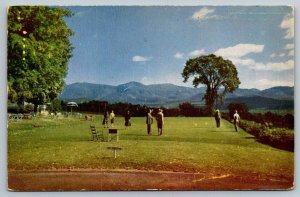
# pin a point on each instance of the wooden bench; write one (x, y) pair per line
(97, 135)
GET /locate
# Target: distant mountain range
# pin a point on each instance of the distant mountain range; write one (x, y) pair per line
(170, 95)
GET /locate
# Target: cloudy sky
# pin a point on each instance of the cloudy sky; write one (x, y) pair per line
(115, 45)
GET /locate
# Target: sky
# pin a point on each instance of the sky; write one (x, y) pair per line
(150, 44)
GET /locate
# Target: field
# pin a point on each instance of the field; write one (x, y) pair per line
(191, 145)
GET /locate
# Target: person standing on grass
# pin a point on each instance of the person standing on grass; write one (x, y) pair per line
(218, 118)
(105, 119)
(112, 118)
(149, 121)
(160, 121)
(236, 120)
(127, 119)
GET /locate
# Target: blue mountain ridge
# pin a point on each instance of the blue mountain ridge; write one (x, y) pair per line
(169, 94)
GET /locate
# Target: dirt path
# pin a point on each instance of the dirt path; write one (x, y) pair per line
(139, 180)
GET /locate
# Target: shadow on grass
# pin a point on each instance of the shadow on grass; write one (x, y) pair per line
(282, 143)
(284, 146)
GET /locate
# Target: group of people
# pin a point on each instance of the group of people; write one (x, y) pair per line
(236, 119)
(159, 120)
(110, 117)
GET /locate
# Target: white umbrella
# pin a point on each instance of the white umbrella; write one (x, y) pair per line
(72, 104)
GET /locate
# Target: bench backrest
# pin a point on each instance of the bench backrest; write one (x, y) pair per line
(93, 129)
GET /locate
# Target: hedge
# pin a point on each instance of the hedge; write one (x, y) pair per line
(282, 138)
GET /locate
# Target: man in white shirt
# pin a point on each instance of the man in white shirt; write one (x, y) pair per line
(236, 119)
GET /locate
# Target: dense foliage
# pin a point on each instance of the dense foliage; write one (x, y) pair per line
(38, 53)
(55, 106)
(184, 109)
(277, 137)
(269, 128)
(240, 107)
(214, 72)
(102, 106)
(271, 119)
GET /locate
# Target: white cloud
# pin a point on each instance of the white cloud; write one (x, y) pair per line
(289, 46)
(174, 78)
(288, 24)
(274, 66)
(236, 55)
(204, 14)
(239, 50)
(244, 62)
(291, 53)
(178, 55)
(265, 83)
(196, 52)
(138, 58)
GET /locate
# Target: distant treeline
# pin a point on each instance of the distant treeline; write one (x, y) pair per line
(102, 106)
(188, 110)
(268, 119)
(184, 109)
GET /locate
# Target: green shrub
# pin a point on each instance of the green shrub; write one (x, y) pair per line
(278, 137)
(28, 108)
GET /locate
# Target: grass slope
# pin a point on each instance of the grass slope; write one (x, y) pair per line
(187, 145)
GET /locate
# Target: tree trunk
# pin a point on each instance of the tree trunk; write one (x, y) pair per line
(210, 106)
(35, 108)
(210, 100)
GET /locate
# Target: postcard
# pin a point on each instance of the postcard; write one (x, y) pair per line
(110, 98)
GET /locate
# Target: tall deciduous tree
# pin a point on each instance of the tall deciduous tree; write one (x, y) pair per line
(214, 72)
(38, 52)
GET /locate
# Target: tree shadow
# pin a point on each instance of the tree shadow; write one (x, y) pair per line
(286, 146)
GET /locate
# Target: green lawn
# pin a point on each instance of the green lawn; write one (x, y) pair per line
(187, 144)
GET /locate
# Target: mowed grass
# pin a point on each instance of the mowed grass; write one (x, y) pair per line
(187, 145)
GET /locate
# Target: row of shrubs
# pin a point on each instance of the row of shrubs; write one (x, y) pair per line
(266, 133)
(282, 138)
(272, 119)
